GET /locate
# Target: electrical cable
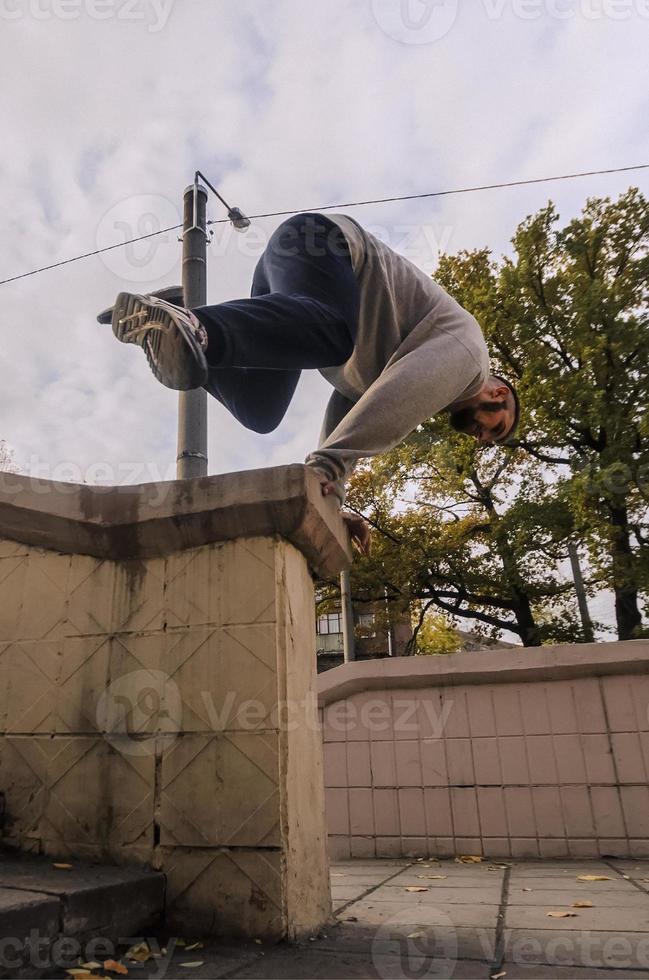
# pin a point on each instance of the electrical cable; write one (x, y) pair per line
(330, 207)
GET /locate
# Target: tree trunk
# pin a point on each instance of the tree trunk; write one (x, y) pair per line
(527, 628)
(625, 586)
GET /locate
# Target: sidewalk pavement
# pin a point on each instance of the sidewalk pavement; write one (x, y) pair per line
(443, 919)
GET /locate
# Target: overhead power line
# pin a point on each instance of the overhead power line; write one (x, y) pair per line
(332, 207)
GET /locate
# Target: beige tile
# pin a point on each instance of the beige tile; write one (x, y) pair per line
(28, 686)
(589, 705)
(507, 706)
(547, 811)
(568, 752)
(491, 806)
(77, 790)
(635, 804)
(457, 714)
(44, 605)
(111, 597)
(221, 790)
(13, 572)
(534, 708)
(227, 893)
(228, 677)
(482, 718)
(620, 707)
(433, 762)
(542, 764)
(577, 811)
(561, 705)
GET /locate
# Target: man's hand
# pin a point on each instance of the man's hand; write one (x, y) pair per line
(359, 529)
(359, 532)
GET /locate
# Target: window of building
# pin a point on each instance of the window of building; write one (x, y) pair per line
(367, 622)
(330, 623)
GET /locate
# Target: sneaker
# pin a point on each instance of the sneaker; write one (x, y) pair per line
(172, 338)
(172, 294)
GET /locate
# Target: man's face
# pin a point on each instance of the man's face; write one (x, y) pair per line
(488, 417)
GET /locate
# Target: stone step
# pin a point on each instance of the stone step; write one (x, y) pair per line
(50, 918)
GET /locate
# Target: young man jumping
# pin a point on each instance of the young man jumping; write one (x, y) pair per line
(327, 295)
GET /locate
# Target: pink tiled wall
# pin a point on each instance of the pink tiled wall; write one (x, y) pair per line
(538, 769)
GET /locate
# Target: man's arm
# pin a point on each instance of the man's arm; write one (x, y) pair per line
(412, 389)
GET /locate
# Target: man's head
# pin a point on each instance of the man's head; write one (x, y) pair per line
(491, 415)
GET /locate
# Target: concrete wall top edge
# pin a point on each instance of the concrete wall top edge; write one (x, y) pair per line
(156, 519)
(521, 665)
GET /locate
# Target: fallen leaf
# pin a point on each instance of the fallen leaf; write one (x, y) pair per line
(180, 942)
(192, 966)
(526, 889)
(582, 905)
(468, 859)
(62, 867)
(416, 888)
(115, 967)
(194, 946)
(258, 941)
(351, 918)
(338, 874)
(498, 976)
(139, 953)
(593, 878)
(91, 966)
(416, 935)
(562, 915)
(433, 877)
(498, 867)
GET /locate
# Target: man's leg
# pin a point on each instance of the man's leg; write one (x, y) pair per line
(249, 353)
(303, 314)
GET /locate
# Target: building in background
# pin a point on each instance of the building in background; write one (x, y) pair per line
(374, 637)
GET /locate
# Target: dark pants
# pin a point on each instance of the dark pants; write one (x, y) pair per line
(303, 314)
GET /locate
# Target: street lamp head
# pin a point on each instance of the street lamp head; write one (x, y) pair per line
(238, 219)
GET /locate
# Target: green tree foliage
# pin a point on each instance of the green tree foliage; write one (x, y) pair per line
(568, 316)
(480, 531)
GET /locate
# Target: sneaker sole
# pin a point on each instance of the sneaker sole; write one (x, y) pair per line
(174, 355)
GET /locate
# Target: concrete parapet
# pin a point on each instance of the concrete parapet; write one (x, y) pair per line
(157, 687)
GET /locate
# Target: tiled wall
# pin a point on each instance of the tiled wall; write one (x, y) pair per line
(539, 769)
(140, 721)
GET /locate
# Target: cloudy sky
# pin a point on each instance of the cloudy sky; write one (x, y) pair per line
(109, 106)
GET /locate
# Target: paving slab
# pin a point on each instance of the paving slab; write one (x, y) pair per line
(540, 972)
(435, 895)
(296, 965)
(583, 948)
(569, 881)
(377, 913)
(432, 940)
(564, 897)
(595, 919)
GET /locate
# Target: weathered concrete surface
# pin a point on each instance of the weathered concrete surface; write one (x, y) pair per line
(157, 519)
(514, 753)
(157, 688)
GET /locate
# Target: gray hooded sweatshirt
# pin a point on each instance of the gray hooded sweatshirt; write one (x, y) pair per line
(417, 352)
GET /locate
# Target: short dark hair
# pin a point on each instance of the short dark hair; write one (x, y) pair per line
(517, 408)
